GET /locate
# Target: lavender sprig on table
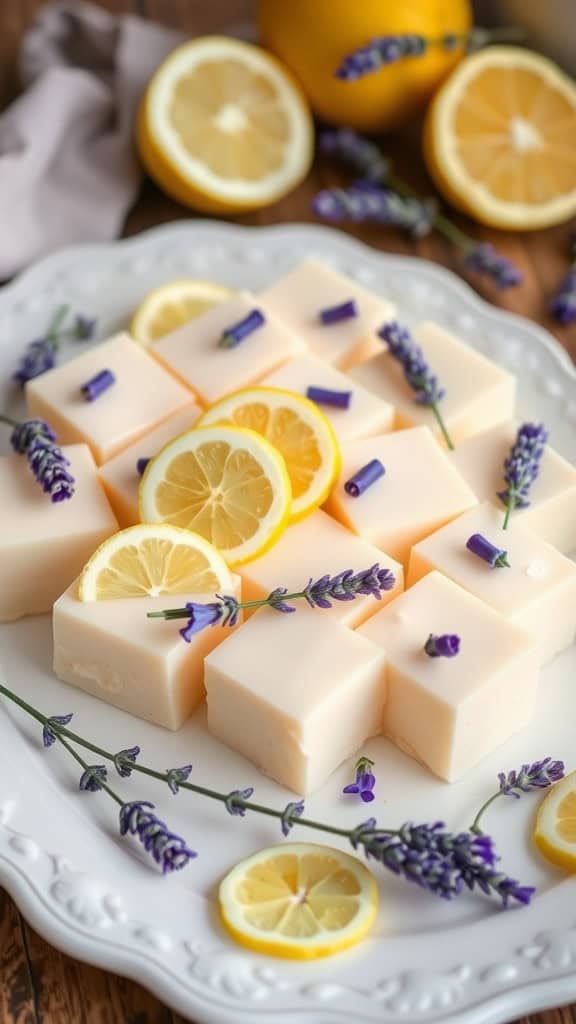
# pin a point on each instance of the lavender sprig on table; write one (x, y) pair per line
(37, 441)
(359, 204)
(522, 467)
(40, 354)
(402, 347)
(536, 776)
(443, 863)
(320, 593)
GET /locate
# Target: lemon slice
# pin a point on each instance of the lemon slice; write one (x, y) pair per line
(228, 485)
(171, 305)
(149, 560)
(555, 833)
(499, 139)
(299, 900)
(298, 429)
(223, 127)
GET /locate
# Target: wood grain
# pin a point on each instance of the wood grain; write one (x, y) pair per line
(39, 985)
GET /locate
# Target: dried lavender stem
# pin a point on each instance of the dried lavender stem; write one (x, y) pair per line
(475, 826)
(184, 613)
(9, 421)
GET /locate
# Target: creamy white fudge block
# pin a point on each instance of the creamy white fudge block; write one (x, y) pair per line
(366, 415)
(120, 476)
(43, 546)
(448, 713)
(552, 509)
(315, 547)
(142, 396)
(143, 666)
(478, 392)
(537, 592)
(194, 354)
(419, 492)
(296, 694)
(298, 297)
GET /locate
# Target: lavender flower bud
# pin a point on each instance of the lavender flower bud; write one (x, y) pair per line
(168, 850)
(49, 734)
(496, 558)
(231, 802)
(522, 466)
(124, 760)
(445, 646)
(92, 778)
(201, 616)
(176, 776)
(23, 435)
(275, 600)
(538, 775)
(403, 348)
(47, 462)
(291, 812)
(363, 785)
(484, 259)
(38, 357)
(563, 305)
(365, 156)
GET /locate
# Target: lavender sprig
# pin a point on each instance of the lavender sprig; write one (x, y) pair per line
(320, 593)
(364, 201)
(538, 775)
(37, 441)
(563, 304)
(40, 354)
(356, 204)
(441, 862)
(522, 467)
(427, 391)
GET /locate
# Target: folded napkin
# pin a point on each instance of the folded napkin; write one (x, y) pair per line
(68, 168)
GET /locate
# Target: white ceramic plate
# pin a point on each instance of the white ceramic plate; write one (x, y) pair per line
(95, 895)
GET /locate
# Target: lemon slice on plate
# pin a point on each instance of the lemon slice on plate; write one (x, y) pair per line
(149, 560)
(299, 900)
(223, 127)
(228, 485)
(171, 305)
(555, 833)
(298, 430)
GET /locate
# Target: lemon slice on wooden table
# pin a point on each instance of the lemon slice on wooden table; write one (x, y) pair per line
(223, 127)
(298, 430)
(150, 560)
(229, 485)
(499, 139)
(300, 901)
(171, 305)
(555, 833)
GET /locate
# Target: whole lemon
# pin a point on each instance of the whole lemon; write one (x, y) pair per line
(312, 36)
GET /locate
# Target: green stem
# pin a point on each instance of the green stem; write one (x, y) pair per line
(442, 224)
(55, 324)
(442, 425)
(184, 613)
(475, 826)
(9, 421)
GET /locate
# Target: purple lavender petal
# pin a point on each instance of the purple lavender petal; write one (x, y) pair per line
(496, 558)
(445, 646)
(335, 314)
(97, 385)
(324, 396)
(563, 305)
(236, 333)
(364, 478)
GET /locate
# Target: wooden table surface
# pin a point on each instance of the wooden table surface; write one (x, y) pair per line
(39, 985)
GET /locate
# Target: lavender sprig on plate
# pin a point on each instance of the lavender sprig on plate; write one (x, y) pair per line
(522, 467)
(427, 391)
(320, 593)
(536, 776)
(40, 355)
(37, 441)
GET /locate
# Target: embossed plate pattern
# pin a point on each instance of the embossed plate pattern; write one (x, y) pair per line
(95, 896)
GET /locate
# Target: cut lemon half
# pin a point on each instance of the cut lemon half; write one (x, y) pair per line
(300, 901)
(228, 485)
(150, 560)
(223, 127)
(499, 139)
(297, 429)
(555, 833)
(171, 305)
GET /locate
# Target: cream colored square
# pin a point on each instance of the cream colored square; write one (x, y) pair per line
(142, 396)
(314, 547)
(295, 694)
(120, 477)
(299, 297)
(478, 392)
(44, 546)
(111, 650)
(194, 354)
(552, 509)
(537, 592)
(419, 492)
(449, 713)
(367, 414)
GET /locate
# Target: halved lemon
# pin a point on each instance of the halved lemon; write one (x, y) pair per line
(555, 833)
(171, 305)
(223, 127)
(149, 560)
(298, 430)
(228, 485)
(300, 901)
(499, 139)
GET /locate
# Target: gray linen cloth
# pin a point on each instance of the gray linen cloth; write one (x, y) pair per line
(68, 168)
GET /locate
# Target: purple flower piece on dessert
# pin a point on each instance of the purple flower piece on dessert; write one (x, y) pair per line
(363, 785)
(538, 775)
(48, 464)
(522, 466)
(364, 478)
(23, 434)
(141, 465)
(290, 814)
(237, 332)
(496, 558)
(97, 385)
(222, 612)
(347, 585)
(445, 646)
(49, 733)
(92, 778)
(403, 348)
(233, 804)
(168, 850)
(276, 600)
(335, 314)
(324, 396)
